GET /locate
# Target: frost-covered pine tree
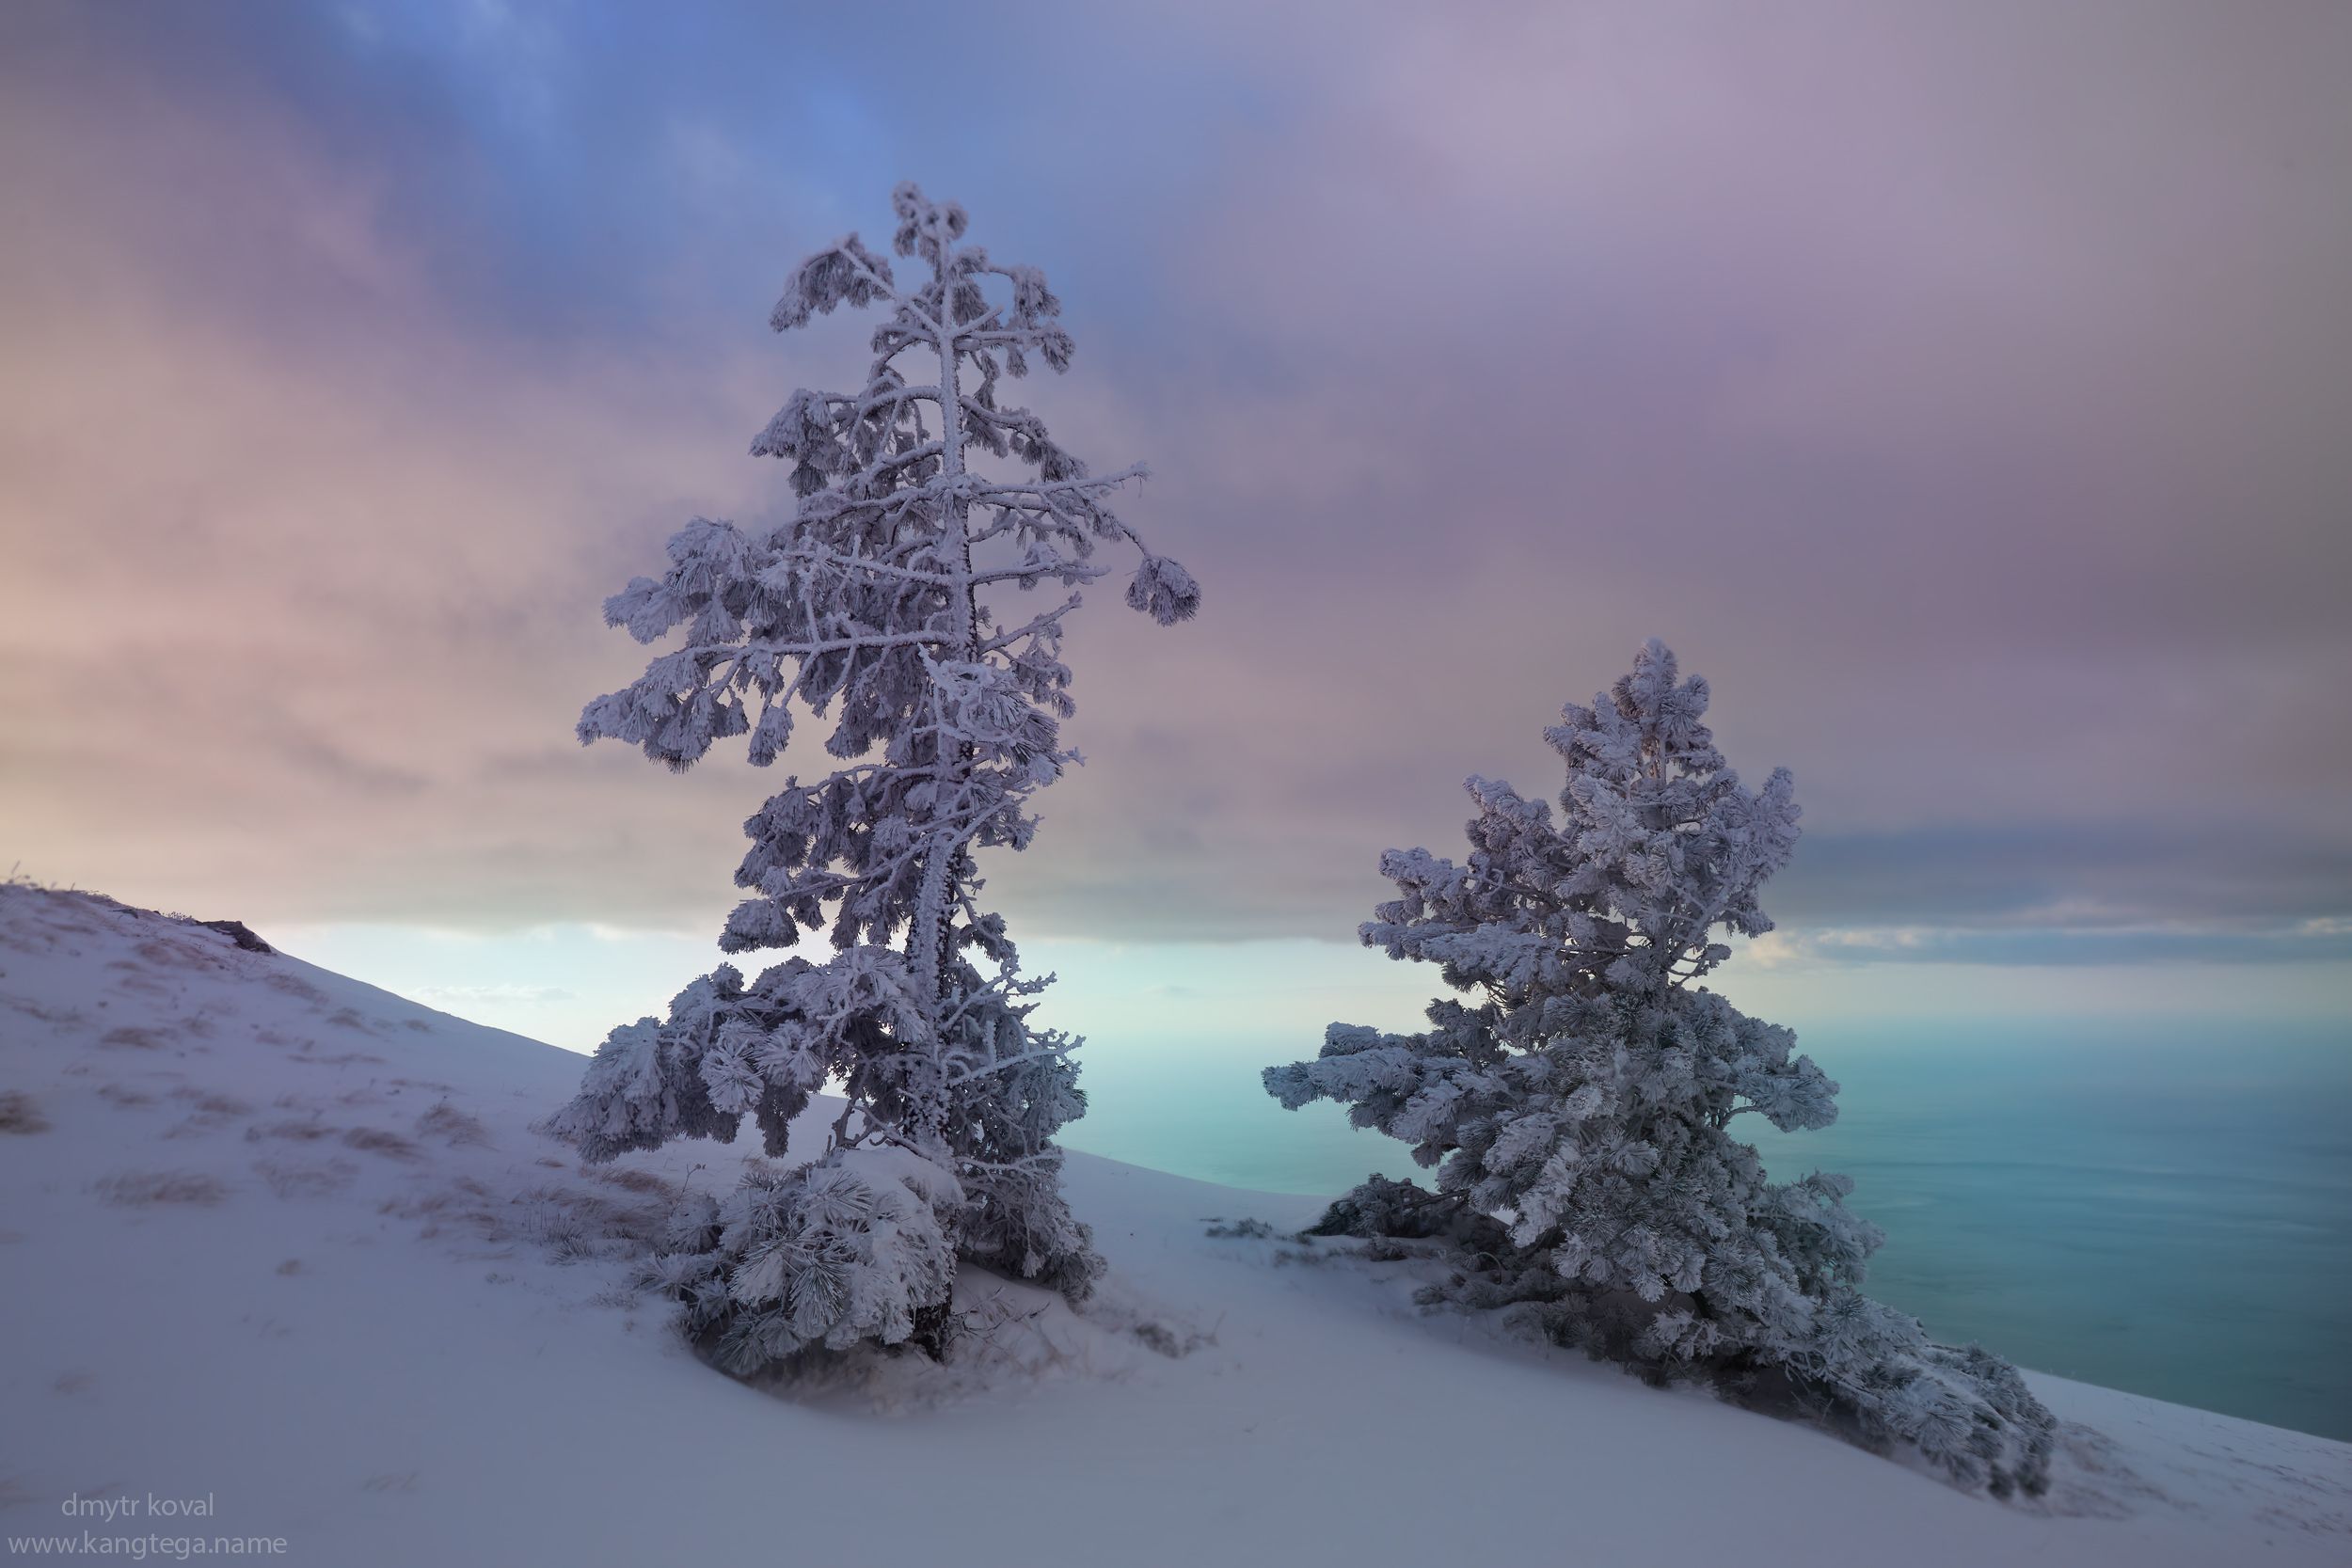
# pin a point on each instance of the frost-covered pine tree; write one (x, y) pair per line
(879, 606)
(1579, 1103)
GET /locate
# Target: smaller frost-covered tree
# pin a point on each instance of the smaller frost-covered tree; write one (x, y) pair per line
(1579, 1105)
(875, 606)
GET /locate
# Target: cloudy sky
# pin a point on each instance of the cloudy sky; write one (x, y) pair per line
(1964, 388)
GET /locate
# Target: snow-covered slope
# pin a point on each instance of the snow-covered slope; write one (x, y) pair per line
(280, 1240)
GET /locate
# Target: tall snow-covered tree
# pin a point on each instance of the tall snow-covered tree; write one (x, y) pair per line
(1579, 1101)
(926, 505)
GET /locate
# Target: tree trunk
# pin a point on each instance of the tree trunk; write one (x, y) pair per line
(946, 865)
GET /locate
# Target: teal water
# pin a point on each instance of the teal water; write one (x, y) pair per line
(2162, 1208)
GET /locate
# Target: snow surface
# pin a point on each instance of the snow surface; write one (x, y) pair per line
(282, 1240)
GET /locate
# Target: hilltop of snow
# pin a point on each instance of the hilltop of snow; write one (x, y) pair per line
(282, 1252)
